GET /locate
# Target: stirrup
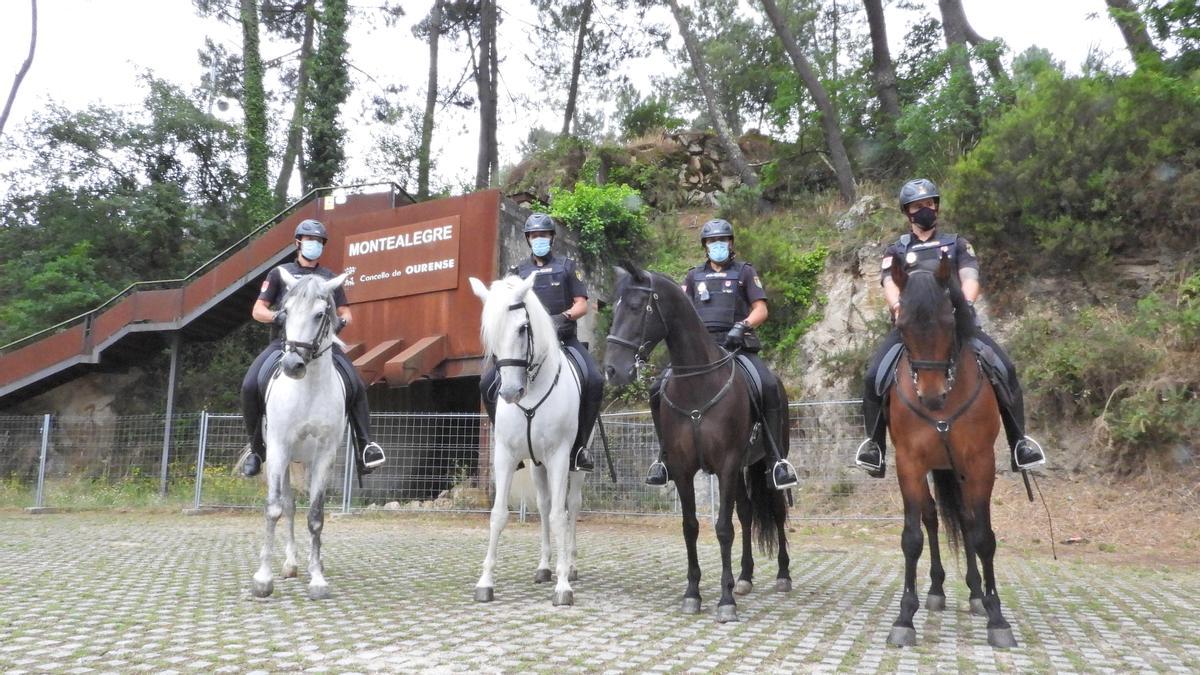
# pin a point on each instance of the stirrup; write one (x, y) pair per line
(858, 461)
(374, 462)
(792, 479)
(1036, 446)
(665, 473)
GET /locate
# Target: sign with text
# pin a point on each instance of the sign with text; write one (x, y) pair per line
(401, 261)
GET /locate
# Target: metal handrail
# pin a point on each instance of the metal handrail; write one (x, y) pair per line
(204, 267)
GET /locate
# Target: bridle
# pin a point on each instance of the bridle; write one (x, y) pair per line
(531, 369)
(313, 348)
(949, 366)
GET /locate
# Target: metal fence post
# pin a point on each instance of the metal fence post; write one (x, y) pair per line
(524, 510)
(347, 476)
(712, 498)
(200, 456)
(41, 484)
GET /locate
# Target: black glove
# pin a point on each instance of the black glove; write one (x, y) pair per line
(736, 337)
(280, 318)
(563, 326)
(341, 323)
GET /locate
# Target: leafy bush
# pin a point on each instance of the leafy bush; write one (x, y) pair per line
(609, 219)
(647, 116)
(1084, 166)
(790, 269)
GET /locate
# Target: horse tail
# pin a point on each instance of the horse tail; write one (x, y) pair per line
(948, 493)
(763, 498)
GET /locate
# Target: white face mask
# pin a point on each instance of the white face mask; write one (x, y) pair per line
(540, 246)
(311, 249)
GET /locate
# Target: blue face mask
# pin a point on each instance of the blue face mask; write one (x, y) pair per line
(718, 251)
(540, 246)
(311, 249)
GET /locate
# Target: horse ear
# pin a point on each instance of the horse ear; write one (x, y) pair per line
(526, 284)
(899, 276)
(619, 274)
(287, 278)
(943, 271)
(329, 285)
(639, 275)
(480, 288)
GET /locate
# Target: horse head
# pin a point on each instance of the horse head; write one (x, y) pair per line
(637, 324)
(928, 328)
(310, 317)
(517, 330)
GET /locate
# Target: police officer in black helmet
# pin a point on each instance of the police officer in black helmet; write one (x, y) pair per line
(730, 299)
(560, 288)
(310, 243)
(920, 202)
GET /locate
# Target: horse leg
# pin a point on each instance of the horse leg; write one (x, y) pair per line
(745, 582)
(999, 632)
(264, 583)
(727, 607)
(783, 579)
(558, 470)
(542, 574)
(686, 488)
(288, 498)
(502, 468)
(903, 633)
(318, 588)
(574, 505)
(935, 599)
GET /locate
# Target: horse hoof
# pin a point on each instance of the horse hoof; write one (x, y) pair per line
(935, 603)
(1001, 638)
(564, 598)
(783, 585)
(318, 592)
(977, 607)
(902, 637)
(726, 613)
(573, 576)
(691, 605)
(290, 573)
(541, 576)
(484, 594)
(743, 587)
(261, 589)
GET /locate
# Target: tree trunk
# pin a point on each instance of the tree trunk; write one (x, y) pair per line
(953, 13)
(25, 65)
(329, 87)
(829, 116)
(576, 64)
(258, 195)
(485, 71)
(431, 91)
(296, 126)
(954, 27)
(882, 70)
(710, 97)
(1125, 14)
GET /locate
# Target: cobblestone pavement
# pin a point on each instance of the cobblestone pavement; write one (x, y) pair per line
(125, 592)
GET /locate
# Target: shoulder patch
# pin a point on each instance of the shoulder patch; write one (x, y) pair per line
(266, 283)
(887, 262)
(971, 251)
(757, 281)
(578, 274)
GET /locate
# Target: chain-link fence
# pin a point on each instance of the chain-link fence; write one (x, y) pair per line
(436, 462)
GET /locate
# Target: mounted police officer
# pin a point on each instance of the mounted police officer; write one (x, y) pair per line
(920, 202)
(729, 297)
(560, 288)
(310, 243)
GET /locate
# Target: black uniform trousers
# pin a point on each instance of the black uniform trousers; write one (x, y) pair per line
(356, 397)
(589, 405)
(1012, 414)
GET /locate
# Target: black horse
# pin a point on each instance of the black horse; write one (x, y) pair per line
(707, 424)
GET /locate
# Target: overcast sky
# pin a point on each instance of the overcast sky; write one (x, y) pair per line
(93, 51)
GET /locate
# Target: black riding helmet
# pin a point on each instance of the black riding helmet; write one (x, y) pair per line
(538, 222)
(916, 190)
(312, 228)
(716, 228)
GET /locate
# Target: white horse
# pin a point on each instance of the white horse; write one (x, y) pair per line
(305, 422)
(536, 419)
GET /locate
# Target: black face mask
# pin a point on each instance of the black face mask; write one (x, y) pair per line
(923, 218)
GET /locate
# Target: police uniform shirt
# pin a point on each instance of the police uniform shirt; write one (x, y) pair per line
(722, 298)
(273, 289)
(559, 281)
(913, 253)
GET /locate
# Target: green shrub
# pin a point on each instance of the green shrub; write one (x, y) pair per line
(609, 219)
(647, 116)
(790, 270)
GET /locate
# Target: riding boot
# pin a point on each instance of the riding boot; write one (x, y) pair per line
(871, 455)
(252, 414)
(1026, 452)
(657, 475)
(370, 454)
(783, 474)
(589, 409)
(489, 388)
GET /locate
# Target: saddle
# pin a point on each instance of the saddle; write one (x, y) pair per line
(271, 369)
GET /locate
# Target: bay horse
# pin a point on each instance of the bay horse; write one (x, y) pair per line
(536, 419)
(707, 425)
(944, 420)
(305, 422)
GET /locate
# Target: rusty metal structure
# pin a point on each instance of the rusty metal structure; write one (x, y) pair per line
(416, 318)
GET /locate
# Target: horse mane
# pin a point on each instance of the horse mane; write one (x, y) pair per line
(307, 289)
(495, 314)
(923, 298)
